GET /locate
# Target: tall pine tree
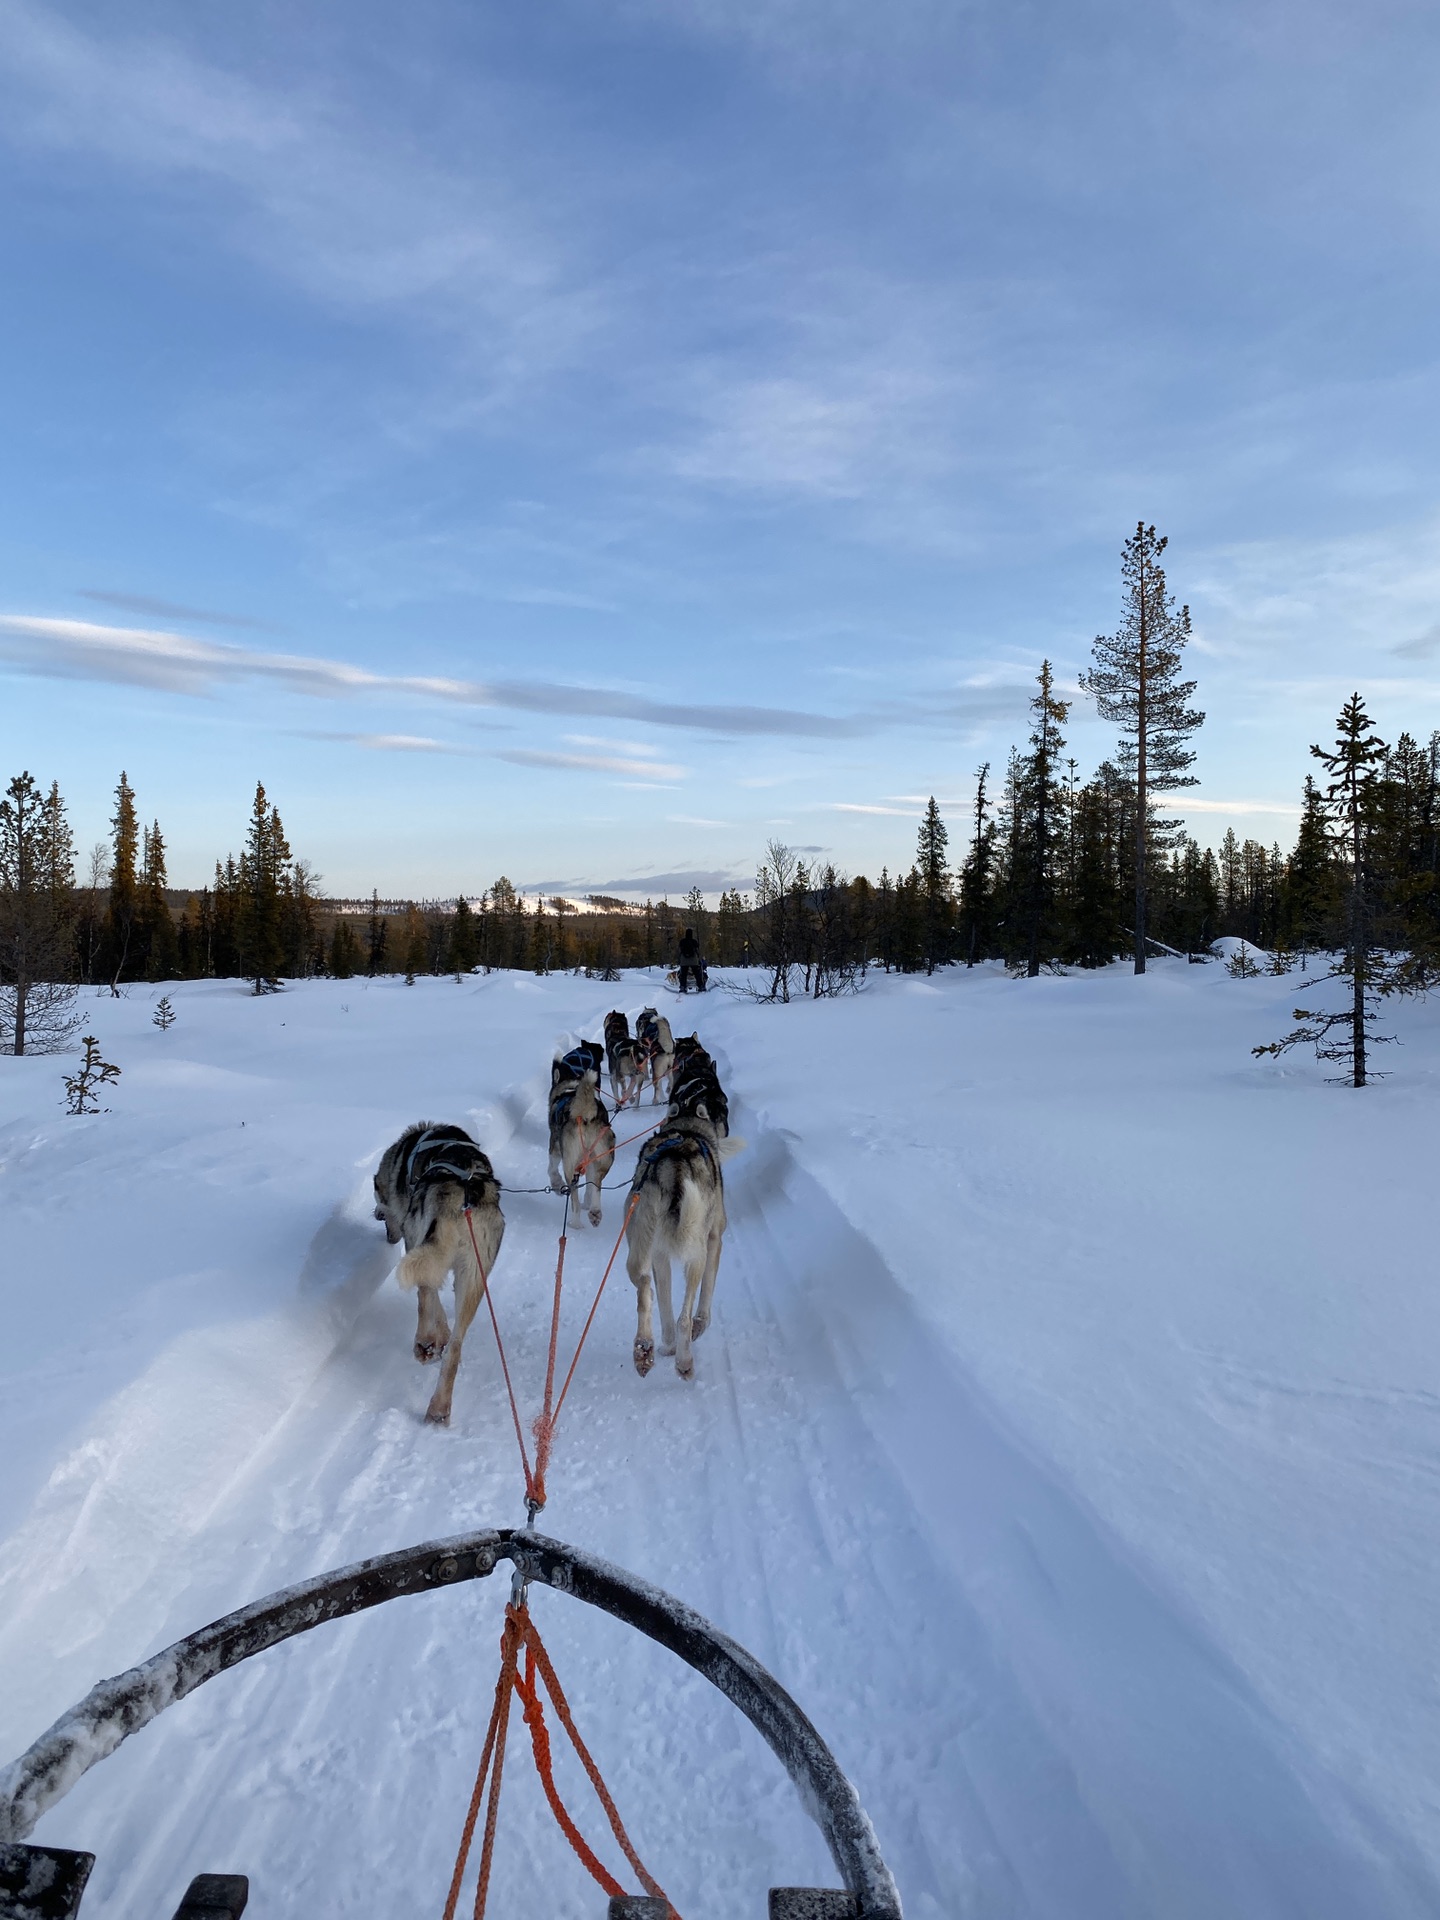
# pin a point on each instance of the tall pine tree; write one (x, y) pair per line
(1136, 683)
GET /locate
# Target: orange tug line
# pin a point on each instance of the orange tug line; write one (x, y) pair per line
(520, 1631)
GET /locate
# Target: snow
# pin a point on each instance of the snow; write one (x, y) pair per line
(1067, 1441)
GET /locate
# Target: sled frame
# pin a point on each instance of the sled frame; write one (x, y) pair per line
(115, 1708)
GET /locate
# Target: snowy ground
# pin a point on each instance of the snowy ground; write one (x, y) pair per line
(1067, 1440)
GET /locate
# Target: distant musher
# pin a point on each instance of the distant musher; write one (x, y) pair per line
(691, 963)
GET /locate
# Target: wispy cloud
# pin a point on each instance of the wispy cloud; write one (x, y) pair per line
(167, 609)
(591, 762)
(391, 742)
(177, 663)
(693, 820)
(855, 806)
(345, 210)
(1182, 803)
(1421, 647)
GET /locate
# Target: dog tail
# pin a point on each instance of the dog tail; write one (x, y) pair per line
(445, 1244)
(731, 1145)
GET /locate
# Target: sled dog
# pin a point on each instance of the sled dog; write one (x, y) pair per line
(693, 1077)
(626, 1058)
(581, 1137)
(677, 1211)
(424, 1186)
(657, 1045)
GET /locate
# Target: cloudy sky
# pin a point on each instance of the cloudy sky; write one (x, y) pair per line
(586, 438)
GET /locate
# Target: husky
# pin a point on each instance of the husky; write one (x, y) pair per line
(657, 1043)
(693, 1076)
(425, 1186)
(677, 1209)
(581, 1137)
(626, 1058)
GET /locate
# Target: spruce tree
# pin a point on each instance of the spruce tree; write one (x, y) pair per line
(375, 939)
(463, 946)
(124, 885)
(1039, 801)
(1136, 683)
(158, 946)
(264, 868)
(932, 864)
(1353, 765)
(37, 917)
(344, 949)
(976, 874)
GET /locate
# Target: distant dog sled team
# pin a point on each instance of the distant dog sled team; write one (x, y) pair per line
(437, 1191)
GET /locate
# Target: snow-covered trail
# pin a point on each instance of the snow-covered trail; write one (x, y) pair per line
(1035, 1725)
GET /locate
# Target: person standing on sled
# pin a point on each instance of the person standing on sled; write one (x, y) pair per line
(691, 963)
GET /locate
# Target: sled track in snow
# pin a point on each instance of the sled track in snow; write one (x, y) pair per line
(1033, 1728)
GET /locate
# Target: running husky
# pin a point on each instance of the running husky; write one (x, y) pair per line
(693, 1077)
(677, 1209)
(581, 1138)
(424, 1187)
(626, 1058)
(657, 1045)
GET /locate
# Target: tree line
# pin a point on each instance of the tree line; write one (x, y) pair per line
(1055, 872)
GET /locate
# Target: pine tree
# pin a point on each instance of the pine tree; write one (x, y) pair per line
(885, 919)
(464, 947)
(264, 869)
(83, 1088)
(1346, 1035)
(344, 956)
(1135, 682)
(976, 874)
(1097, 870)
(164, 1015)
(37, 918)
(932, 864)
(540, 938)
(124, 885)
(375, 939)
(414, 943)
(158, 949)
(1039, 801)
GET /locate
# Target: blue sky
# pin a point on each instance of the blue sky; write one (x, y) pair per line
(585, 440)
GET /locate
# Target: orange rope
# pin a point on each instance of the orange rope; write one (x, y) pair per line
(504, 1367)
(535, 1649)
(520, 1631)
(584, 1331)
(510, 1641)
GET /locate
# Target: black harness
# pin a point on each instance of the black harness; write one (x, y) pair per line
(446, 1153)
(662, 1144)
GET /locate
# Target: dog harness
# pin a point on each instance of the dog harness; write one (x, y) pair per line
(447, 1153)
(662, 1144)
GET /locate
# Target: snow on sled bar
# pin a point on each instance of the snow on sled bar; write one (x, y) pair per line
(116, 1708)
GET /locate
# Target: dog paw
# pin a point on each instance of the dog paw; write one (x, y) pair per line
(437, 1416)
(593, 1216)
(557, 1184)
(427, 1351)
(698, 1326)
(644, 1356)
(685, 1368)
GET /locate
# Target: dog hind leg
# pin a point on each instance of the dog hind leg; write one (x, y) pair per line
(638, 1268)
(433, 1332)
(695, 1269)
(469, 1292)
(660, 1266)
(707, 1286)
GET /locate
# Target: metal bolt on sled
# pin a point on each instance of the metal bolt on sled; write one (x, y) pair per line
(47, 1883)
